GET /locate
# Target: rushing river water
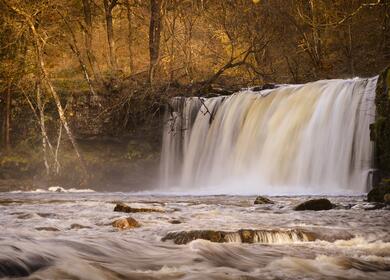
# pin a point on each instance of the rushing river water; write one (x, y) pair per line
(353, 243)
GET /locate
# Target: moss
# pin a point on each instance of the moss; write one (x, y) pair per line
(380, 130)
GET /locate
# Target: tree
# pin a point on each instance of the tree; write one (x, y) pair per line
(155, 28)
(88, 33)
(109, 5)
(38, 39)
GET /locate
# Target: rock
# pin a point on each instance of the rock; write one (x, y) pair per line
(263, 200)
(375, 206)
(314, 204)
(378, 193)
(263, 87)
(184, 237)
(175, 222)
(78, 226)
(242, 235)
(120, 207)
(125, 223)
(47, 228)
(386, 198)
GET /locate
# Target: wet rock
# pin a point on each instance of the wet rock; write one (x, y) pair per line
(241, 236)
(126, 223)
(25, 216)
(47, 228)
(184, 237)
(47, 215)
(10, 201)
(121, 207)
(175, 222)
(375, 206)
(78, 226)
(386, 198)
(17, 266)
(263, 200)
(378, 193)
(343, 206)
(314, 204)
(263, 87)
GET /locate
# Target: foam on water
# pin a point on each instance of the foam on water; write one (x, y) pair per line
(95, 250)
(56, 189)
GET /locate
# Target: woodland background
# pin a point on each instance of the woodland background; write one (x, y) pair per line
(83, 83)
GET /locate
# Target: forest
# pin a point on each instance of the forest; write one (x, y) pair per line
(84, 83)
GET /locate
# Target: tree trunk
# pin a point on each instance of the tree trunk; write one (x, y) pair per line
(57, 101)
(317, 48)
(154, 36)
(7, 120)
(43, 127)
(88, 36)
(350, 51)
(129, 35)
(75, 49)
(108, 6)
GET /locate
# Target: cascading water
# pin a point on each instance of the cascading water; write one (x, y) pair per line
(294, 139)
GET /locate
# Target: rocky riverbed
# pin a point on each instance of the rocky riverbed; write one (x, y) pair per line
(77, 235)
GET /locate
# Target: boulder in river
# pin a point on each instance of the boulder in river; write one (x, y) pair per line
(241, 236)
(263, 200)
(314, 204)
(378, 193)
(78, 226)
(175, 222)
(47, 228)
(125, 223)
(121, 207)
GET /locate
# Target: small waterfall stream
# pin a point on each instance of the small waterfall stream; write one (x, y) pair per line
(294, 139)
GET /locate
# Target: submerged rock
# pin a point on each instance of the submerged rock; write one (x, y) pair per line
(125, 223)
(375, 206)
(378, 193)
(121, 207)
(78, 226)
(47, 228)
(241, 236)
(263, 200)
(314, 204)
(175, 222)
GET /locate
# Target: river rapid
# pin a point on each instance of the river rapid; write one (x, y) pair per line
(68, 235)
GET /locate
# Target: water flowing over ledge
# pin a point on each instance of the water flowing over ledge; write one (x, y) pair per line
(295, 139)
(242, 236)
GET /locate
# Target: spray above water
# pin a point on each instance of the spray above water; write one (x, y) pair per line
(295, 139)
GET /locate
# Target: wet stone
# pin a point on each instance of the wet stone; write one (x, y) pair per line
(314, 205)
(121, 207)
(175, 222)
(241, 236)
(78, 226)
(263, 200)
(126, 223)
(47, 229)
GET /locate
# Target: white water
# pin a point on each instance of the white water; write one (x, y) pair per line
(295, 139)
(95, 250)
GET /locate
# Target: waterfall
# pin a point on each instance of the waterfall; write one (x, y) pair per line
(294, 139)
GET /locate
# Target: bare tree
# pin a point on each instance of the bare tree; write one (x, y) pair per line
(129, 16)
(109, 5)
(88, 34)
(155, 28)
(39, 43)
